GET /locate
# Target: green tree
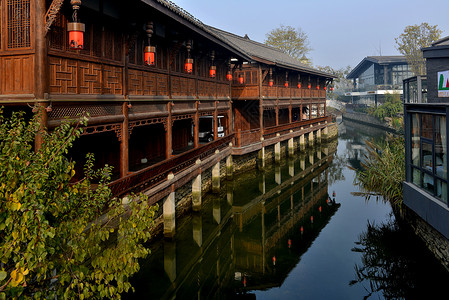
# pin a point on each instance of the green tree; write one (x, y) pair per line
(57, 238)
(412, 40)
(290, 40)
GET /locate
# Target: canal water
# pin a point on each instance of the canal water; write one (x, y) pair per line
(293, 231)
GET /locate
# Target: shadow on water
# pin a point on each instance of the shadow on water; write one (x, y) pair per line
(276, 234)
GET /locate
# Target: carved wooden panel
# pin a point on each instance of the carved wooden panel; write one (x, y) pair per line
(135, 82)
(223, 90)
(149, 84)
(89, 78)
(162, 84)
(17, 74)
(60, 112)
(62, 76)
(112, 80)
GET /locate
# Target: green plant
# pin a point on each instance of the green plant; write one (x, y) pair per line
(391, 108)
(60, 239)
(383, 170)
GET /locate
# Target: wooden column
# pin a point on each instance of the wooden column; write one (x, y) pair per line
(124, 143)
(196, 127)
(215, 121)
(261, 102)
(168, 133)
(40, 67)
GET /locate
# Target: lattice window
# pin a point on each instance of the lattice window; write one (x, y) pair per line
(58, 33)
(18, 24)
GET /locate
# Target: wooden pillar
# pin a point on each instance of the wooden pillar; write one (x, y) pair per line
(215, 122)
(290, 113)
(302, 143)
(291, 145)
(311, 137)
(318, 135)
(262, 158)
(310, 111)
(277, 114)
(216, 176)
(229, 166)
(124, 142)
(169, 211)
(168, 133)
(277, 150)
(196, 127)
(196, 190)
(40, 68)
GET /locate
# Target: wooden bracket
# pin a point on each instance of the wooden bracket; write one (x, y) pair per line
(52, 13)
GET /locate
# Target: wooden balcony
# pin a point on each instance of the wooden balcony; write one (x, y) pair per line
(251, 92)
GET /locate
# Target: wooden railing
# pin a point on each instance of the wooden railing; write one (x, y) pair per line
(247, 137)
(153, 175)
(282, 129)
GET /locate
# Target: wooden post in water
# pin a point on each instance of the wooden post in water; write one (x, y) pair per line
(196, 190)
(318, 135)
(277, 151)
(216, 176)
(229, 166)
(169, 211)
(302, 142)
(262, 158)
(291, 146)
(311, 138)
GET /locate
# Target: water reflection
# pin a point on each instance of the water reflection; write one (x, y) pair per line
(248, 238)
(390, 265)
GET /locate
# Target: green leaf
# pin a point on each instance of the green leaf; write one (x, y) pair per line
(3, 275)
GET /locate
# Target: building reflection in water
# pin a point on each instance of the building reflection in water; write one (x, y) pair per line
(248, 238)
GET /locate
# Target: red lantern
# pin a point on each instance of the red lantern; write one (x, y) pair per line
(299, 85)
(189, 65)
(229, 76)
(311, 219)
(241, 78)
(212, 71)
(270, 82)
(274, 260)
(76, 35)
(150, 53)
(309, 86)
(332, 88)
(286, 84)
(325, 88)
(317, 87)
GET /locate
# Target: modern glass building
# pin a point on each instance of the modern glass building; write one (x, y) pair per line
(426, 109)
(375, 76)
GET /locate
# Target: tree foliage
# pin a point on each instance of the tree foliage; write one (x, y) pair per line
(390, 108)
(290, 40)
(59, 239)
(412, 40)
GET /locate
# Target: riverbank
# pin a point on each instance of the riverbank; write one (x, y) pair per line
(367, 120)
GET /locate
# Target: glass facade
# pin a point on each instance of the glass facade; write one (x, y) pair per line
(428, 153)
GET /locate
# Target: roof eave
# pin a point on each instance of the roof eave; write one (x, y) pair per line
(203, 32)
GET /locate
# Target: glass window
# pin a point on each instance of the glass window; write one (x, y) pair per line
(427, 161)
(416, 177)
(440, 147)
(415, 140)
(427, 126)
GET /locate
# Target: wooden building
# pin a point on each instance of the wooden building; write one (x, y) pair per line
(146, 74)
(274, 96)
(139, 113)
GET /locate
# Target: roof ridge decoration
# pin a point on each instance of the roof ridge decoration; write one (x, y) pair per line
(181, 11)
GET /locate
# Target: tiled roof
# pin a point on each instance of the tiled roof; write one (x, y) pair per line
(442, 42)
(381, 60)
(266, 54)
(250, 49)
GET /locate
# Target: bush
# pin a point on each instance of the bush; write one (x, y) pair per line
(384, 170)
(53, 242)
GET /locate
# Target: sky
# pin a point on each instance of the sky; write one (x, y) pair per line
(341, 33)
